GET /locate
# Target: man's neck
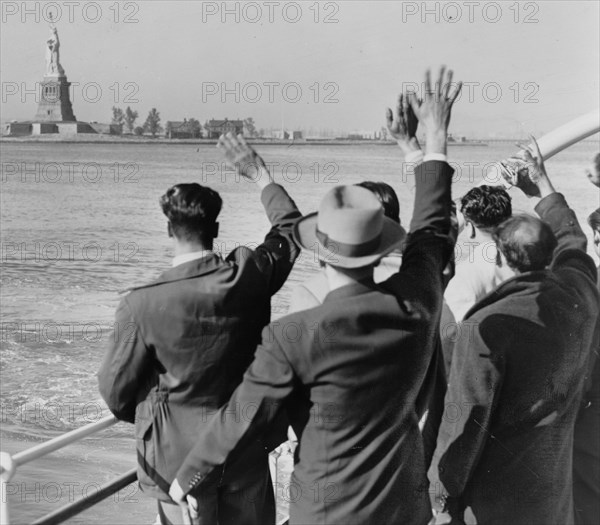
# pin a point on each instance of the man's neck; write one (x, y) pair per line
(482, 235)
(338, 278)
(183, 248)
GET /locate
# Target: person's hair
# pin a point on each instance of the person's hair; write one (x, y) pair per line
(486, 206)
(594, 220)
(192, 211)
(386, 195)
(527, 243)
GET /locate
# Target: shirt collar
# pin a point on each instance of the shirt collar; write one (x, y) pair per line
(192, 256)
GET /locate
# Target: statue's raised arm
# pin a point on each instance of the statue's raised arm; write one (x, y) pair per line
(53, 66)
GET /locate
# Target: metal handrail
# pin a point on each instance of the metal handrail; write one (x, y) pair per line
(9, 464)
(74, 508)
(61, 441)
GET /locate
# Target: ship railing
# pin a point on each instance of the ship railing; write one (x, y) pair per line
(10, 463)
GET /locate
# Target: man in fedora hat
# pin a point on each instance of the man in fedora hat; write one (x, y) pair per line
(348, 372)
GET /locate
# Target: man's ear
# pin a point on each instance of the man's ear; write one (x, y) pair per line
(469, 223)
(169, 229)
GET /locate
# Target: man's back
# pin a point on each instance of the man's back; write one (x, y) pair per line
(184, 342)
(202, 321)
(548, 323)
(361, 358)
(517, 376)
(474, 278)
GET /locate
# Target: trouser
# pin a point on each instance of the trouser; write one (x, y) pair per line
(250, 504)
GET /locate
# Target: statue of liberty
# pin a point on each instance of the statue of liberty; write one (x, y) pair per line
(53, 66)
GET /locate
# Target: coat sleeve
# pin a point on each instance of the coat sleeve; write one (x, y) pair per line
(430, 243)
(255, 404)
(572, 242)
(474, 386)
(126, 373)
(276, 255)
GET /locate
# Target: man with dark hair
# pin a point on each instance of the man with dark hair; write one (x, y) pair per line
(192, 211)
(348, 372)
(186, 339)
(519, 369)
(482, 209)
(386, 195)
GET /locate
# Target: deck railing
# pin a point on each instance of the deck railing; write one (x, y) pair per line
(9, 465)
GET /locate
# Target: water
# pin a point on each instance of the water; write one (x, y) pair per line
(80, 222)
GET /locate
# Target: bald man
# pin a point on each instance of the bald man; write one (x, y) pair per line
(518, 373)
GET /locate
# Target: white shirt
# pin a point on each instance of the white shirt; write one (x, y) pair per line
(475, 277)
(192, 256)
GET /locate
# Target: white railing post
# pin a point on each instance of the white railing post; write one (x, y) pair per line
(7, 470)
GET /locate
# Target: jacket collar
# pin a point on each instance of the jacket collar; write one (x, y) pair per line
(188, 270)
(522, 284)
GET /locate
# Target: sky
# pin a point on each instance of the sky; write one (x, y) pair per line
(527, 66)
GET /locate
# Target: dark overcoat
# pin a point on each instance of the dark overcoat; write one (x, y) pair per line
(185, 340)
(516, 383)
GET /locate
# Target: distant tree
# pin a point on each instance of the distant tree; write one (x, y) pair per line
(130, 118)
(118, 117)
(139, 131)
(261, 132)
(196, 128)
(152, 124)
(384, 133)
(250, 127)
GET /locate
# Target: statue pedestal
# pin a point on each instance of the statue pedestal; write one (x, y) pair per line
(55, 101)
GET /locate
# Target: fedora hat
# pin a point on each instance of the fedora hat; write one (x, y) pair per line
(349, 230)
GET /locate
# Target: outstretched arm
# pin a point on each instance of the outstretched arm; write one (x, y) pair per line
(276, 255)
(430, 244)
(554, 210)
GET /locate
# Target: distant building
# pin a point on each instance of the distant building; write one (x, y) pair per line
(216, 128)
(285, 134)
(186, 129)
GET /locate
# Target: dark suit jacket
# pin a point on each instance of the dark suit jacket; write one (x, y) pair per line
(516, 384)
(185, 340)
(349, 373)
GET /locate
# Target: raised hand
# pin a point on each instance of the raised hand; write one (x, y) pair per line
(241, 156)
(403, 125)
(434, 110)
(532, 178)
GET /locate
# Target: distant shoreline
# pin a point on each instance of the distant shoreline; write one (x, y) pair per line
(113, 139)
(127, 139)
